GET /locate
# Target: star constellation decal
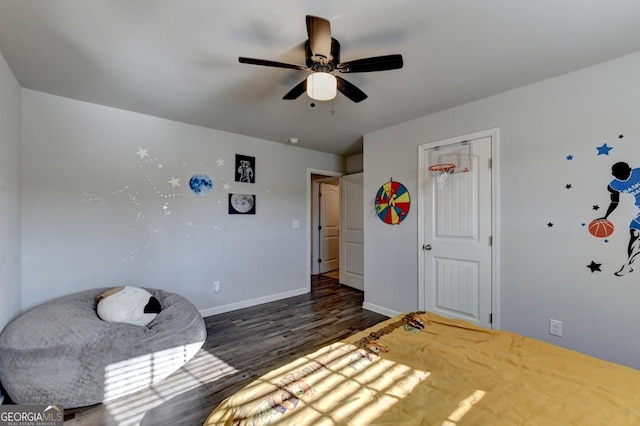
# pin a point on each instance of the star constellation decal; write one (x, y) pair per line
(568, 186)
(604, 149)
(550, 225)
(596, 207)
(594, 266)
(620, 136)
(569, 157)
(154, 174)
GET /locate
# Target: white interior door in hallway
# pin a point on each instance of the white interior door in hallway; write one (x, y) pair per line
(329, 227)
(456, 229)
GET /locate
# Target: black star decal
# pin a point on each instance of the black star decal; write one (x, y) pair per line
(568, 186)
(594, 266)
(620, 136)
(550, 225)
(596, 207)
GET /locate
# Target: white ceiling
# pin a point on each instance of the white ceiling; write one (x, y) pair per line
(178, 59)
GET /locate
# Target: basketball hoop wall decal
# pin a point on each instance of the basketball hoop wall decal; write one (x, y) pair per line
(392, 202)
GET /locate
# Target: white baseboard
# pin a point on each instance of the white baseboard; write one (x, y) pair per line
(380, 310)
(251, 302)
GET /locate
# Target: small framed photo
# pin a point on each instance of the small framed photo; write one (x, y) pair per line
(245, 168)
(242, 204)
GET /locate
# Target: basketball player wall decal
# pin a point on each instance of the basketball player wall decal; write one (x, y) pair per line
(626, 181)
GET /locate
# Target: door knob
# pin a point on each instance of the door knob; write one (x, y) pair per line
(426, 247)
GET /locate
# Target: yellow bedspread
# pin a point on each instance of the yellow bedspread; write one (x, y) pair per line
(424, 369)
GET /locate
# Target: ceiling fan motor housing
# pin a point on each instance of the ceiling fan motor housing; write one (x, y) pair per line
(319, 62)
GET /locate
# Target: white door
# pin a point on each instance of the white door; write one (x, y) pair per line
(352, 231)
(329, 227)
(456, 243)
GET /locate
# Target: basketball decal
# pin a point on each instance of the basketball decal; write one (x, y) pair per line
(392, 202)
(601, 228)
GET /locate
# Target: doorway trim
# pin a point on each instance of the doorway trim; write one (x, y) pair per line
(494, 134)
(328, 174)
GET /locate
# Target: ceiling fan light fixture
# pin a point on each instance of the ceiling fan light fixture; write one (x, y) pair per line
(322, 86)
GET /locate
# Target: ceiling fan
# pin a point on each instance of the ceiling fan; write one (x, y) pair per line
(322, 59)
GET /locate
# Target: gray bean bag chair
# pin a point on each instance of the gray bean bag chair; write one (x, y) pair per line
(62, 353)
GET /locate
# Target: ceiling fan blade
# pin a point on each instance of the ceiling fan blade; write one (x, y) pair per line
(350, 90)
(377, 63)
(319, 32)
(268, 63)
(296, 91)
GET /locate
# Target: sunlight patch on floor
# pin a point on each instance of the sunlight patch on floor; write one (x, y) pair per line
(144, 370)
(139, 372)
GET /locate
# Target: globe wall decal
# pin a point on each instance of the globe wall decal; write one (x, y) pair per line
(201, 184)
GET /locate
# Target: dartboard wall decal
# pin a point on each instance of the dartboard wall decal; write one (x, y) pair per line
(392, 202)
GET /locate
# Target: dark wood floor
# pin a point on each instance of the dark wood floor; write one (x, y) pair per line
(241, 346)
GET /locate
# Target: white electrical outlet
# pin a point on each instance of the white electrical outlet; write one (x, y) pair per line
(216, 286)
(555, 327)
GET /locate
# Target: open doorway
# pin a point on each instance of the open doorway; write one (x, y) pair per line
(345, 239)
(325, 225)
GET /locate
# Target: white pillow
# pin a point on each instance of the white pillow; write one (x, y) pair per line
(125, 304)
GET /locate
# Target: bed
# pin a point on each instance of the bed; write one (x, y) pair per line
(424, 369)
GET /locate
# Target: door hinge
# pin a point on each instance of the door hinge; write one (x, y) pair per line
(319, 227)
(319, 260)
(490, 240)
(491, 163)
(490, 318)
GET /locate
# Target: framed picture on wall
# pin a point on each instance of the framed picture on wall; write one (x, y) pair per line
(242, 204)
(245, 168)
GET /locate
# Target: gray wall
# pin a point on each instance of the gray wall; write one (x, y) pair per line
(9, 194)
(96, 213)
(543, 271)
